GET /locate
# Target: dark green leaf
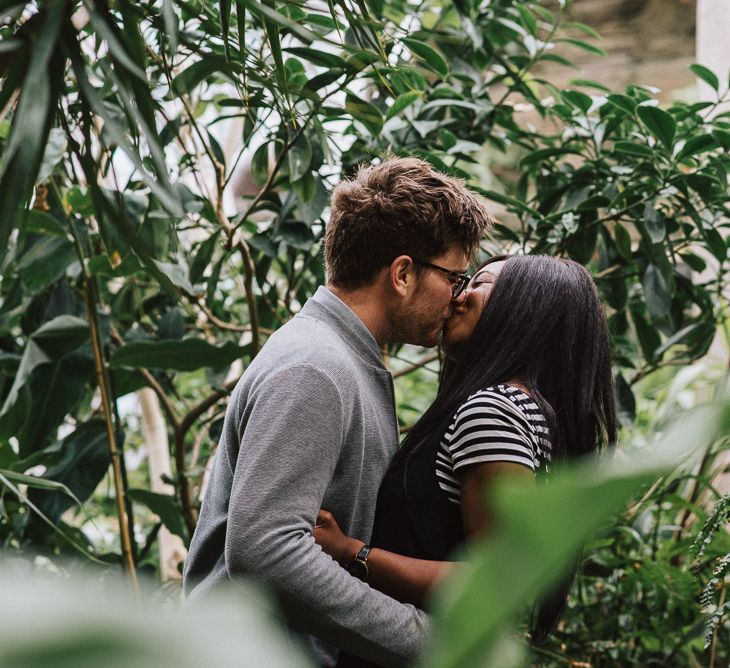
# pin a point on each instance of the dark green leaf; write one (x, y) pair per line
(622, 102)
(318, 57)
(655, 223)
(61, 335)
(365, 112)
(623, 242)
(656, 292)
(165, 506)
(699, 144)
(46, 261)
(260, 165)
(432, 58)
(84, 460)
(660, 124)
(706, 75)
(183, 355)
(633, 148)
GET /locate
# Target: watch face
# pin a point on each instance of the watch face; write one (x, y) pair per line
(357, 568)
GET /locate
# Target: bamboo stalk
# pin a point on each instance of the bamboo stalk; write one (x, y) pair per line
(102, 380)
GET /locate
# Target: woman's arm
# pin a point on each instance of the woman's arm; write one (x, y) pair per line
(475, 480)
(404, 578)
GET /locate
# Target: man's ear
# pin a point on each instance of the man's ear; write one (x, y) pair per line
(402, 275)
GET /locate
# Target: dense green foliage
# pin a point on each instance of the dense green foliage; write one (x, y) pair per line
(163, 189)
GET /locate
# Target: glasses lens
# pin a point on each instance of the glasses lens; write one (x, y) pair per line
(458, 287)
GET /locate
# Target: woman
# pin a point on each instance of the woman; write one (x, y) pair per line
(527, 382)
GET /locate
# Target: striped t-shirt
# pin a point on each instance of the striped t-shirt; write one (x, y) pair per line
(497, 424)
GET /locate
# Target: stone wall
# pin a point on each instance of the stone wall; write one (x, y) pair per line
(648, 41)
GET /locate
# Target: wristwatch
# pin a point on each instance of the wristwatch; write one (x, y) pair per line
(358, 566)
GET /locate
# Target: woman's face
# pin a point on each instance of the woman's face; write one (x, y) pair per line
(468, 307)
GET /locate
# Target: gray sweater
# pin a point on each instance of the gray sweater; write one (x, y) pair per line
(310, 424)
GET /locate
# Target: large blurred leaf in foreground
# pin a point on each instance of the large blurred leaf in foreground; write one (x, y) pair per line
(74, 624)
(541, 529)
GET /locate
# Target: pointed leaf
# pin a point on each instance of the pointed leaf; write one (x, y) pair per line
(707, 75)
(182, 355)
(660, 124)
(429, 55)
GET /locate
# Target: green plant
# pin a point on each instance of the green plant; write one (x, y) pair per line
(165, 169)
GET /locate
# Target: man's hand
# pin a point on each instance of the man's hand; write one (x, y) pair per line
(329, 536)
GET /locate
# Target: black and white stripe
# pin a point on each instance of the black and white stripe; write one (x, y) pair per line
(497, 424)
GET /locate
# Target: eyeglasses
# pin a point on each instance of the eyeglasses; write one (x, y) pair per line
(458, 279)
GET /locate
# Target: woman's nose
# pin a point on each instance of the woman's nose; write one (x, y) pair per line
(459, 301)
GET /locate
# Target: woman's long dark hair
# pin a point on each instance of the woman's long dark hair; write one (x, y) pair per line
(543, 326)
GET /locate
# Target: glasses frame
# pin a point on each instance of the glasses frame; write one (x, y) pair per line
(456, 287)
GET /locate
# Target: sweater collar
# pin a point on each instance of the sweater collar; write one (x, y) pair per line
(328, 307)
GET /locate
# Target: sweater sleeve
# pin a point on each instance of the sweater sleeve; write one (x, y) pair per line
(489, 428)
(289, 447)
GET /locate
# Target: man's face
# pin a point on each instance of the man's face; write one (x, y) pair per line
(424, 312)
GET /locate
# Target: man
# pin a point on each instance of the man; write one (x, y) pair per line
(312, 421)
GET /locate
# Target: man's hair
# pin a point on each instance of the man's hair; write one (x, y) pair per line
(399, 207)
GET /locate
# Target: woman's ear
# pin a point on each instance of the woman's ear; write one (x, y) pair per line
(402, 275)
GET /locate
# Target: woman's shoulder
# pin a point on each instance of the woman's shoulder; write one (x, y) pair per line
(502, 394)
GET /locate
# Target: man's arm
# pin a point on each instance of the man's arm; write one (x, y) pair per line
(290, 446)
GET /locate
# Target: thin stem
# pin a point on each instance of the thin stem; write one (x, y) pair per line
(102, 381)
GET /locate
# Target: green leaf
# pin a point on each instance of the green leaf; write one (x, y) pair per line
(39, 222)
(32, 118)
(429, 55)
(299, 158)
(647, 335)
(706, 75)
(699, 144)
(590, 83)
(656, 292)
(54, 152)
(365, 112)
(84, 461)
(655, 223)
(633, 148)
(585, 46)
(402, 102)
(61, 335)
(165, 506)
(660, 124)
(33, 356)
(224, 9)
(297, 235)
(182, 355)
(623, 242)
(318, 57)
(266, 12)
(716, 243)
(35, 482)
(578, 99)
(260, 165)
(622, 102)
(45, 262)
(199, 71)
